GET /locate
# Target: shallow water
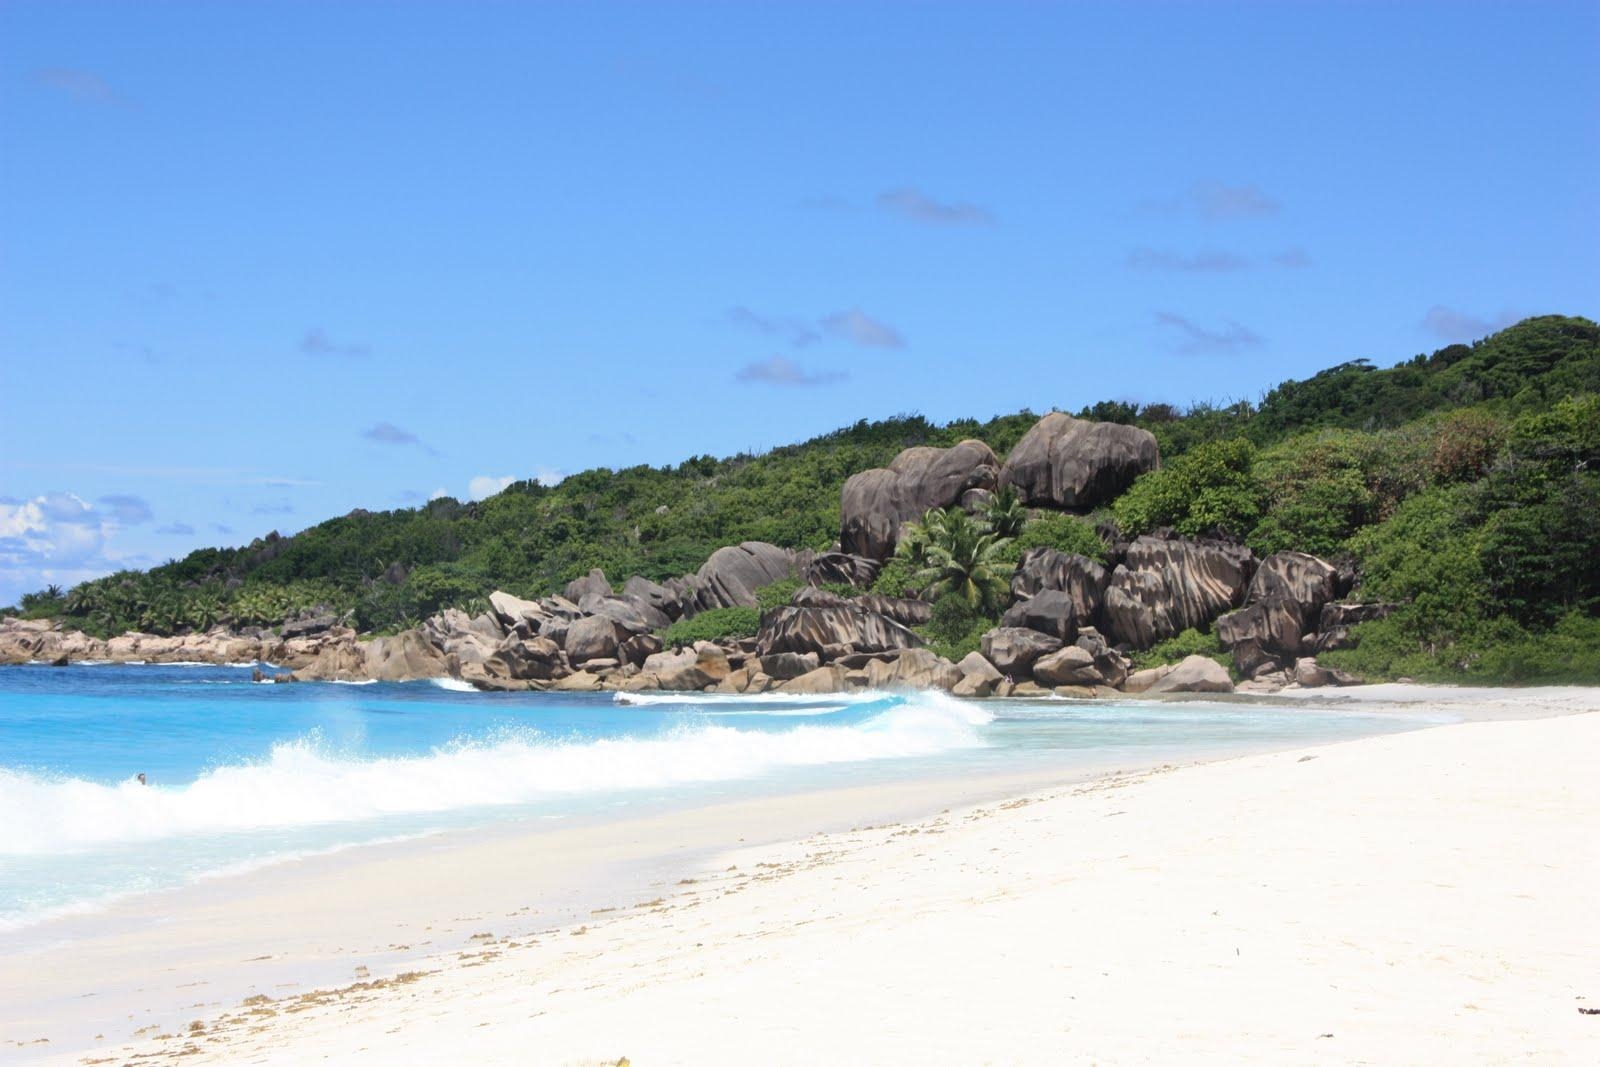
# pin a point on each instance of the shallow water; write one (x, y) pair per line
(241, 774)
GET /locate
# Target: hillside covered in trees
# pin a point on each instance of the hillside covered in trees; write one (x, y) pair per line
(1462, 484)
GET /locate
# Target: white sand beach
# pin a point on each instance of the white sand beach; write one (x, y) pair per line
(1425, 897)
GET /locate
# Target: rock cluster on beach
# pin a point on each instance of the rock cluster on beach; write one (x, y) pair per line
(1068, 628)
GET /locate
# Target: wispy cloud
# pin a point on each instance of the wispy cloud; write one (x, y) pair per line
(1219, 201)
(854, 325)
(84, 86)
(316, 342)
(281, 507)
(127, 510)
(1448, 324)
(780, 370)
(911, 203)
(795, 331)
(222, 528)
(1208, 262)
(1197, 338)
(176, 529)
(387, 433)
(1212, 261)
(857, 327)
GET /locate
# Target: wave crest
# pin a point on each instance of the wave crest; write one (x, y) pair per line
(303, 783)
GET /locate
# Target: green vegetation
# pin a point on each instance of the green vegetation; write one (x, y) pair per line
(962, 559)
(1465, 485)
(1173, 649)
(1064, 533)
(956, 628)
(714, 625)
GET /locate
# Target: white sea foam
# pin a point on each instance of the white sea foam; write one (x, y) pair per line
(302, 783)
(454, 685)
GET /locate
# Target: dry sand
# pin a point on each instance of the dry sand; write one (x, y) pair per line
(1419, 898)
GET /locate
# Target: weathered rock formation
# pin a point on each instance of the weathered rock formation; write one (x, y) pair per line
(1168, 585)
(826, 630)
(1065, 462)
(876, 503)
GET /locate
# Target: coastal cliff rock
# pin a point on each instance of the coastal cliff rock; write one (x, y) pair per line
(1049, 611)
(593, 637)
(732, 575)
(1310, 583)
(1065, 462)
(841, 568)
(1014, 650)
(636, 616)
(1167, 585)
(876, 503)
(405, 656)
(592, 583)
(1081, 578)
(824, 629)
(914, 668)
(1264, 635)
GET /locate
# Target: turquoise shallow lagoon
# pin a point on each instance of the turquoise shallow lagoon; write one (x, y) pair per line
(242, 774)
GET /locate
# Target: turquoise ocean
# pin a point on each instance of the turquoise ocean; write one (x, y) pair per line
(239, 774)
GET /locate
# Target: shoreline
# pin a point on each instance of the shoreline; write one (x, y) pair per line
(301, 910)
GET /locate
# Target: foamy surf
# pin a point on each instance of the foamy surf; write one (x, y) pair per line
(303, 783)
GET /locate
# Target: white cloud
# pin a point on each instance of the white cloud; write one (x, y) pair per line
(52, 538)
(439, 493)
(488, 485)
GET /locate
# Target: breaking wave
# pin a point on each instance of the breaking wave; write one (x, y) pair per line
(304, 782)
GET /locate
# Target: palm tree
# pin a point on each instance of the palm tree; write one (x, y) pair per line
(964, 561)
(1005, 513)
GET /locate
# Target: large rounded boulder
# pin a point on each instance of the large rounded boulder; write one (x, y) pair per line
(1065, 462)
(876, 503)
(732, 575)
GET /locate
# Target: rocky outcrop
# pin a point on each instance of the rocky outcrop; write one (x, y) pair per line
(1049, 611)
(1013, 650)
(732, 575)
(404, 657)
(841, 568)
(1304, 580)
(1065, 462)
(1195, 674)
(876, 503)
(903, 610)
(637, 616)
(1263, 636)
(915, 668)
(593, 637)
(979, 678)
(592, 583)
(1068, 666)
(823, 630)
(1167, 585)
(1081, 578)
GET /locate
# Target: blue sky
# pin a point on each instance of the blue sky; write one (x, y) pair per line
(264, 263)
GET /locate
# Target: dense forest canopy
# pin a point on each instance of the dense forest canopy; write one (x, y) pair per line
(1465, 483)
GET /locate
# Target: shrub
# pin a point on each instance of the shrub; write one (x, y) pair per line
(778, 593)
(897, 577)
(1188, 643)
(715, 625)
(1210, 488)
(955, 628)
(1064, 533)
